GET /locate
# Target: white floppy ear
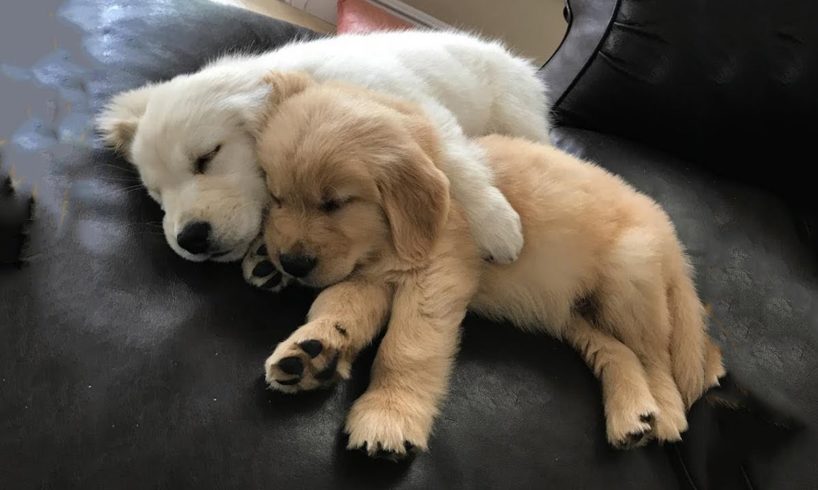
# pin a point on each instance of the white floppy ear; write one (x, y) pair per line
(276, 87)
(248, 106)
(118, 121)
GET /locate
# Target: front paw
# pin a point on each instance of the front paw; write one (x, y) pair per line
(314, 356)
(497, 230)
(259, 271)
(386, 428)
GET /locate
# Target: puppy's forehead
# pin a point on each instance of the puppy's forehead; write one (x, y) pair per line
(328, 140)
(181, 117)
(326, 127)
(316, 179)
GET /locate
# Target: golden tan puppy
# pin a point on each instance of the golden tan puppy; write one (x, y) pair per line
(361, 209)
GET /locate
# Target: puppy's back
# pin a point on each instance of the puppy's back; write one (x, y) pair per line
(573, 214)
(550, 187)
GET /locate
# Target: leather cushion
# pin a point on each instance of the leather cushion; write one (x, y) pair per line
(729, 84)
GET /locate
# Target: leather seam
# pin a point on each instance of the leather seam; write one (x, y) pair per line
(591, 58)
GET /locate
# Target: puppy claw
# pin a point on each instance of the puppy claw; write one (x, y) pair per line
(392, 456)
(632, 431)
(635, 439)
(385, 429)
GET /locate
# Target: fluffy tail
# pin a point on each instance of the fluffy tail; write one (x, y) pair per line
(696, 360)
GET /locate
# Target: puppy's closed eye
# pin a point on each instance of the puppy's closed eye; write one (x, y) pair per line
(330, 205)
(201, 163)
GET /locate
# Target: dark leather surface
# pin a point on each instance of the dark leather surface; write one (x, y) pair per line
(123, 366)
(727, 83)
(588, 23)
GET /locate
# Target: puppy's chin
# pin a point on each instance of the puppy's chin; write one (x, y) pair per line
(233, 253)
(184, 253)
(323, 281)
(230, 256)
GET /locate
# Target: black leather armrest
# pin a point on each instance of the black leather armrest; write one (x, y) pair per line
(588, 23)
(727, 82)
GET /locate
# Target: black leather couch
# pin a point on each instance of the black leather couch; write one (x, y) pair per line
(124, 366)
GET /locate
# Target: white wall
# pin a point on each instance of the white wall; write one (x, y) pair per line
(534, 28)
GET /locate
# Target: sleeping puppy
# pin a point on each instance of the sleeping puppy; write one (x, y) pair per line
(191, 138)
(361, 209)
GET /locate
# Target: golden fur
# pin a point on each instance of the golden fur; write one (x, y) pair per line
(601, 268)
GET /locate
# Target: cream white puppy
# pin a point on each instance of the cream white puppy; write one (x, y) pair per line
(192, 137)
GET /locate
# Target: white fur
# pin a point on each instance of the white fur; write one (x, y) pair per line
(468, 86)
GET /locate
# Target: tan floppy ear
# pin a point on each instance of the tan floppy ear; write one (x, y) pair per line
(118, 121)
(415, 198)
(284, 85)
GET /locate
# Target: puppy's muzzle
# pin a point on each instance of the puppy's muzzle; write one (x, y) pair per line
(195, 237)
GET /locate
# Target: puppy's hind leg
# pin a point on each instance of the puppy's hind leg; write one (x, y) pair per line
(632, 304)
(630, 409)
(523, 112)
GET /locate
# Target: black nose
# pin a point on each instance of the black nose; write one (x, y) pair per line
(195, 237)
(297, 265)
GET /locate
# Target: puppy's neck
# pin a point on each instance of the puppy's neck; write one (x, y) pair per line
(455, 241)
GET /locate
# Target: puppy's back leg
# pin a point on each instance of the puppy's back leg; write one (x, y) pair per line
(632, 303)
(696, 361)
(630, 409)
(523, 113)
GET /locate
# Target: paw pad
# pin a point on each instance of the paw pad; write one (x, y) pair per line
(259, 271)
(308, 364)
(291, 365)
(272, 282)
(328, 372)
(312, 347)
(263, 268)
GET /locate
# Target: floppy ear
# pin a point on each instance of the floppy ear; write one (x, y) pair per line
(415, 198)
(118, 121)
(284, 85)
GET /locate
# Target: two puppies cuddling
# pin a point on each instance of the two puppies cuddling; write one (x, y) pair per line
(367, 198)
(358, 197)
